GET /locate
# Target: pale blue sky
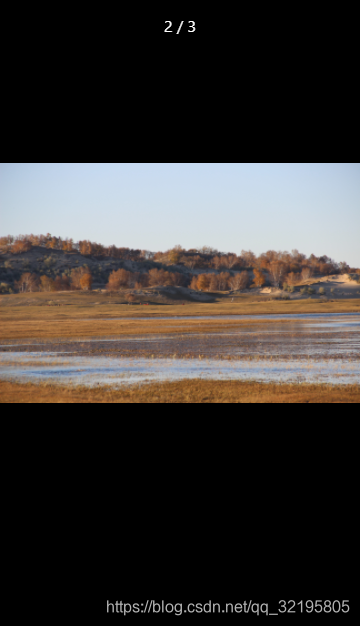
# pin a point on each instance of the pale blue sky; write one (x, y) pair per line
(314, 207)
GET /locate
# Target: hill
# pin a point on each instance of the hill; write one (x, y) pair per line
(31, 263)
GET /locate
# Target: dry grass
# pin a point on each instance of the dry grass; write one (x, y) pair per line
(82, 314)
(186, 391)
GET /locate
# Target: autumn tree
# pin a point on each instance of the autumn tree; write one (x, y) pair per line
(47, 284)
(191, 261)
(217, 262)
(292, 278)
(144, 279)
(259, 278)
(130, 297)
(175, 255)
(86, 282)
(239, 281)
(223, 281)
(203, 282)
(231, 260)
(248, 257)
(193, 284)
(176, 279)
(76, 275)
(276, 271)
(120, 278)
(28, 282)
(159, 277)
(214, 282)
(306, 273)
(62, 283)
(19, 247)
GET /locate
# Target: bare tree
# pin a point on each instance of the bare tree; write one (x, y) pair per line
(223, 279)
(27, 282)
(191, 261)
(276, 271)
(231, 260)
(239, 281)
(306, 273)
(217, 262)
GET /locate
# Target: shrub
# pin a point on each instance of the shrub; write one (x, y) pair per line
(130, 297)
(303, 291)
(310, 291)
(49, 262)
(322, 291)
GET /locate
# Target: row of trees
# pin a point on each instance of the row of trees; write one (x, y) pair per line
(202, 258)
(79, 279)
(154, 278)
(24, 243)
(220, 282)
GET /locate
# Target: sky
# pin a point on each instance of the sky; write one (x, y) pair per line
(312, 207)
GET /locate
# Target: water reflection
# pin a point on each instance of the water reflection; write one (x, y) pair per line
(37, 367)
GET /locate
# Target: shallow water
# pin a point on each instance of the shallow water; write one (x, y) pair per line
(308, 348)
(328, 337)
(286, 316)
(37, 367)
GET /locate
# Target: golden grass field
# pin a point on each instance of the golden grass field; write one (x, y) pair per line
(185, 391)
(82, 314)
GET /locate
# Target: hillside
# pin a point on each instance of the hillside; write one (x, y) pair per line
(45, 263)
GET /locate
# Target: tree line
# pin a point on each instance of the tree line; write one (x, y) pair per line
(206, 258)
(80, 279)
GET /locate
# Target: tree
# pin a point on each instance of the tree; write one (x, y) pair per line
(86, 282)
(191, 261)
(62, 283)
(231, 260)
(193, 284)
(259, 278)
(276, 271)
(28, 282)
(177, 279)
(130, 297)
(239, 281)
(47, 284)
(120, 278)
(223, 281)
(175, 255)
(217, 262)
(19, 247)
(248, 257)
(293, 279)
(203, 282)
(159, 277)
(306, 273)
(76, 275)
(214, 282)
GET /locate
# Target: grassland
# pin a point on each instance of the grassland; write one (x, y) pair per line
(82, 314)
(186, 391)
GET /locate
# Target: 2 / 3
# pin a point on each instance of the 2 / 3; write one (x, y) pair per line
(191, 27)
